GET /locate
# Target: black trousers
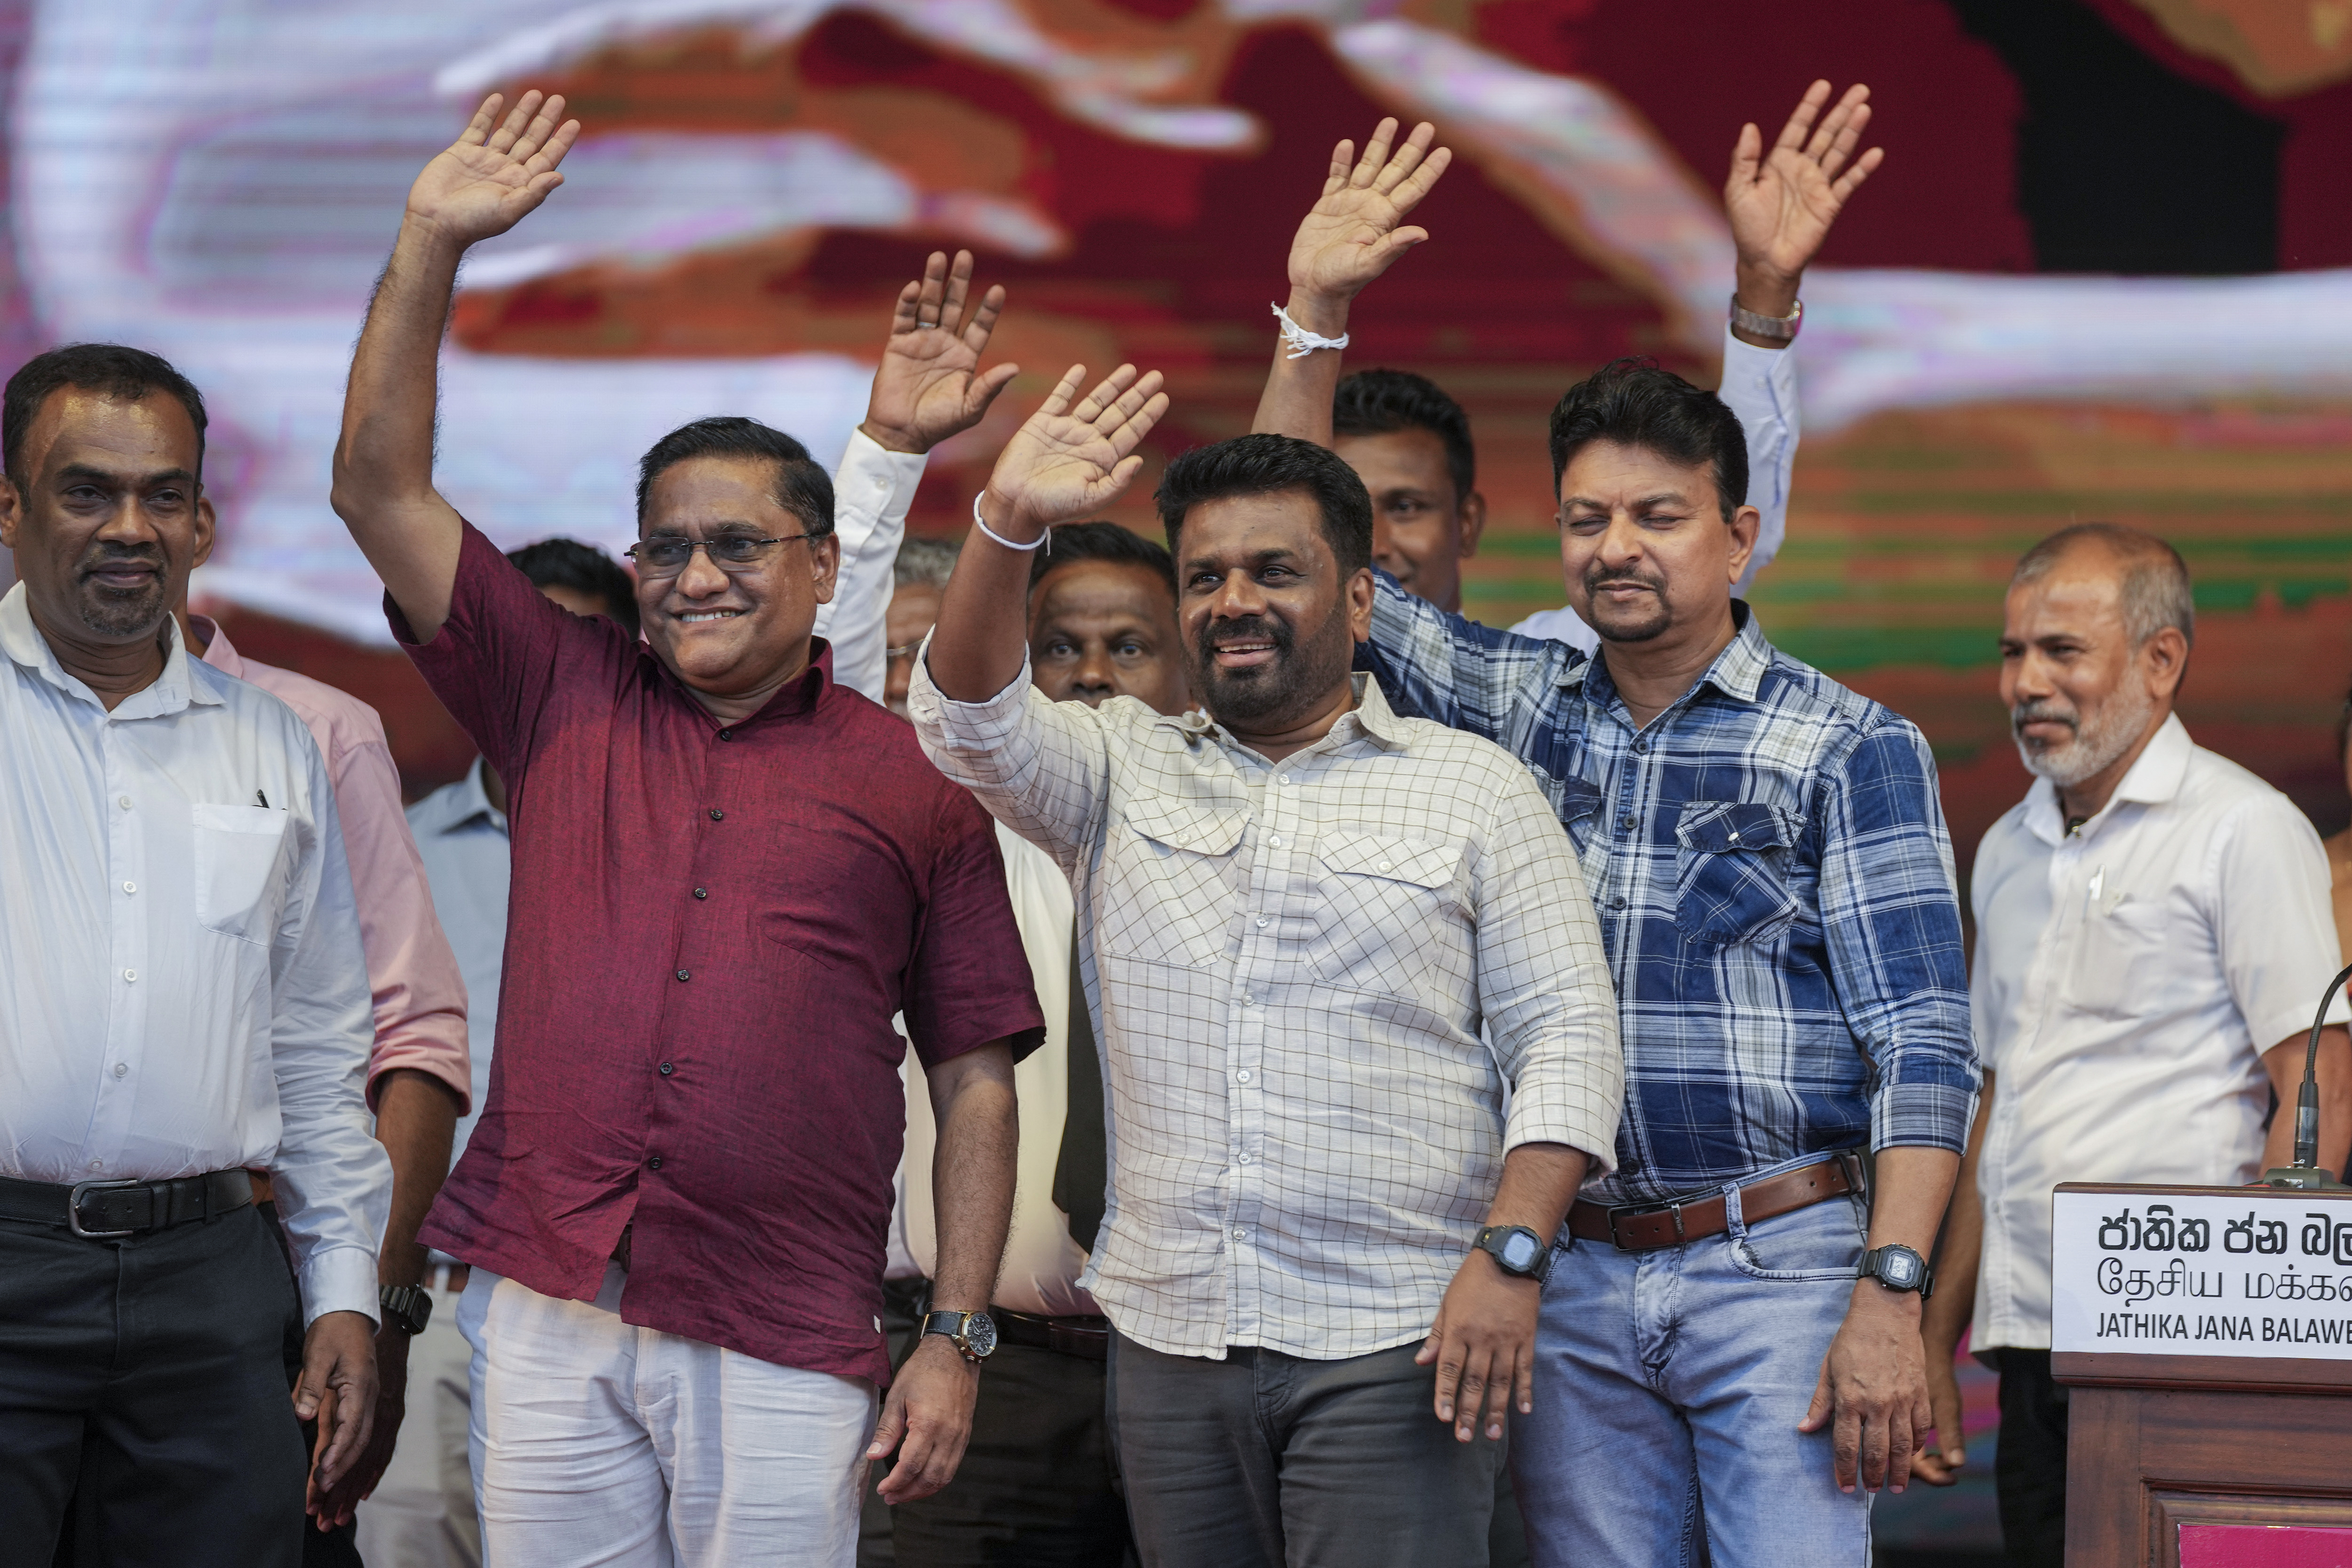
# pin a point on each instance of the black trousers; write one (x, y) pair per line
(2029, 1468)
(145, 1381)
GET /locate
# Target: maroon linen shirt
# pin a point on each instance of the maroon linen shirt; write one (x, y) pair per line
(709, 930)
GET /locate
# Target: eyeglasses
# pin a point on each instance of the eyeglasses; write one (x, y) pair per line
(666, 557)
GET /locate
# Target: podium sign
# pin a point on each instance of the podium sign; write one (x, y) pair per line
(2218, 1271)
(2205, 1337)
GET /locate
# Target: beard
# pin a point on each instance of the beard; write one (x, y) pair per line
(1291, 681)
(2089, 746)
(115, 611)
(1639, 621)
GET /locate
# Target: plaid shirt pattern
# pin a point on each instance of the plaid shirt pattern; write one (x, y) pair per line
(1774, 883)
(1291, 964)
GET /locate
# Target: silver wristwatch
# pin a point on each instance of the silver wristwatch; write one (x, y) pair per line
(1784, 327)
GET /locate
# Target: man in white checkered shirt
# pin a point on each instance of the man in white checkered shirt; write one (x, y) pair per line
(1295, 915)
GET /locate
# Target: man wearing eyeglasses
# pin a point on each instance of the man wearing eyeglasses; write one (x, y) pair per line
(728, 874)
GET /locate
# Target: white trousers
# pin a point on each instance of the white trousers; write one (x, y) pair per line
(421, 1514)
(595, 1443)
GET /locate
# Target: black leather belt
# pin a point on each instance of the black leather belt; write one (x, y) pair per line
(105, 1210)
(1088, 1338)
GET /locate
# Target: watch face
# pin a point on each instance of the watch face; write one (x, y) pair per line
(1520, 1250)
(1898, 1268)
(980, 1333)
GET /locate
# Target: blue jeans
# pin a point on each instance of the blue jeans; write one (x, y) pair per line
(1667, 1392)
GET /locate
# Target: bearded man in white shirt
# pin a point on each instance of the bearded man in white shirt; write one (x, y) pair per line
(183, 998)
(2153, 933)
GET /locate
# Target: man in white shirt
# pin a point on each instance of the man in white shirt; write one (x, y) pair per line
(1296, 912)
(186, 998)
(2152, 934)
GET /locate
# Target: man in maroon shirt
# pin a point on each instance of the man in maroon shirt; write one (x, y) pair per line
(728, 873)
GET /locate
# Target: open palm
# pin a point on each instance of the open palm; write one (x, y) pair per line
(488, 179)
(929, 385)
(1072, 459)
(1352, 233)
(1782, 203)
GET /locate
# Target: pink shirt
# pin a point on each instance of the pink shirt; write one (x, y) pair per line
(420, 999)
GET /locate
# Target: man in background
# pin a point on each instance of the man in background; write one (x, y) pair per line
(421, 1514)
(1038, 1485)
(2152, 934)
(917, 577)
(187, 1000)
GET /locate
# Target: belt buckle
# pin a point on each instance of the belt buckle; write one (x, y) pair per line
(1669, 1206)
(73, 1210)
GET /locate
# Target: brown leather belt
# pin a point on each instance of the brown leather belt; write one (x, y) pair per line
(1088, 1338)
(1644, 1227)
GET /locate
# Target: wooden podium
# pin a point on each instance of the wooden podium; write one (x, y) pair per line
(2206, 1336)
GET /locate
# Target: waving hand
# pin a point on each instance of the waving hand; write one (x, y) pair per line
(1782, 203)
(929, 385)
(1075, 454)
(1353, 232)
(491, 177)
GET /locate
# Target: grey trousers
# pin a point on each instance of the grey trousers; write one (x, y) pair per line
(1267, 1460)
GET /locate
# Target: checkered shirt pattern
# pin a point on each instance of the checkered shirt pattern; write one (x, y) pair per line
(1774, 883)
(1291, 963)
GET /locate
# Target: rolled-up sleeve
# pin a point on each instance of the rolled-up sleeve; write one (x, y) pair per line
(1543, 983)
(872, 491)
(1891, 920)
(333, 1180)
(1040, 767)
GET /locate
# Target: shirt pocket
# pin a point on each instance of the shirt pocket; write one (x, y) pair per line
(2121, 961)
(1379, 900)
(1731, 882)
(1166, 894)
(240, 880)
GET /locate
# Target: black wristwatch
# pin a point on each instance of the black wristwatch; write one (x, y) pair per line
(1517, 1250)
(973, 1334)
(407, 1307)
(1898, 1268)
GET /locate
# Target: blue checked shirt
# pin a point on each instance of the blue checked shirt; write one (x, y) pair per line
(1774, 884)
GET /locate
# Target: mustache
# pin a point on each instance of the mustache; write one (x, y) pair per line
(1597, 577)
(1277, 632)
(2026, 714)
(107, 553)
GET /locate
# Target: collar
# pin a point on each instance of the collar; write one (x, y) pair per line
(170, 692)
(1372, 718)
(219, 652)
(2152, 780)
(1737, 671)
(465, 803)
(801, 695)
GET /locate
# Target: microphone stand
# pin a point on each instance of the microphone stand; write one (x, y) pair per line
(2304, 1174)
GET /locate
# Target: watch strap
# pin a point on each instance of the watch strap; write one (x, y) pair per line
(1781, 327)
(1489, 1241)
(407, 1307)
(1870, 1270)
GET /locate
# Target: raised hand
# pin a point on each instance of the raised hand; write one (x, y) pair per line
(1352, 233)
(1782, 203)
(488, 179)
(929, 385)
(1075, 454)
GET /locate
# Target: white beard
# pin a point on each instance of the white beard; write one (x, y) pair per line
(2094, 746)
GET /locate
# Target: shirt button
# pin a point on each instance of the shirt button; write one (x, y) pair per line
(1626, 822)
(1277, 842)
(1261, 922)
(132, 975)
(701, 892)
(1616, 902)
(725, 735)
(654, 1163)
(668, 1068)
(1384, 865)
(120, 1068)
(683, 975)
(98, 1165)
(1640, 745)
(1243, 1076)
(124, 802)
(130, 887)
(715, 813)
(1244, 1158)
(1240, 1234)
(1286, 779)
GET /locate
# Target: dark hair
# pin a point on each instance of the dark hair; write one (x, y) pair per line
(1376, 402)
(1103, 542)
(803, 488)
(583, 569)
(1263, 465)
(1635, 404)
(123, 375)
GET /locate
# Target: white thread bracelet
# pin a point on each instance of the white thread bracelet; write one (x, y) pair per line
(1302, 343)
(981, 523)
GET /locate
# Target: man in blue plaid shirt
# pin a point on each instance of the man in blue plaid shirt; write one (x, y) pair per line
(1730, 1342)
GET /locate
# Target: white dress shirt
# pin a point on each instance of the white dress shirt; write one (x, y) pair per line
(1760, 385)
(1291, 964)
(1043, 1263)
(2128, 978)
(184, 989)
(462, 839)
(872, 491)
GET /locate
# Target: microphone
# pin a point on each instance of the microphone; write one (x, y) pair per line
(2304, 1174)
